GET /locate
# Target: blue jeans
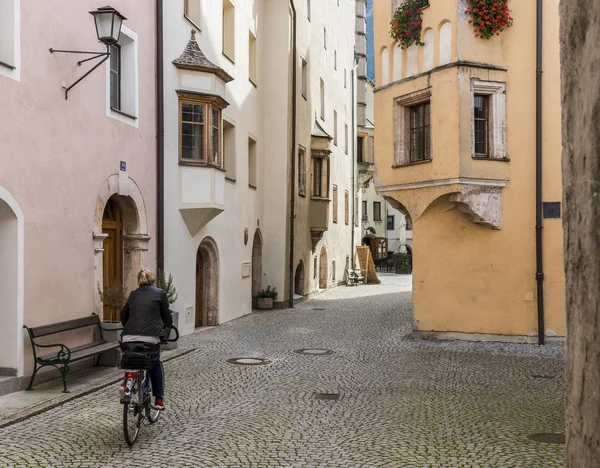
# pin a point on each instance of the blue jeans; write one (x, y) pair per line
(156, 375)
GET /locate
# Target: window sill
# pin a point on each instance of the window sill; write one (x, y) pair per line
(304, 96)
(194, 163)
(231, 179)
(320, 199)
(253, 187)
(303, 195)
(192, 22)
(4, 64)
(252, 82)
(416, 163)
(486, 158)
(133, 117)
(334, 221)
(228, 58)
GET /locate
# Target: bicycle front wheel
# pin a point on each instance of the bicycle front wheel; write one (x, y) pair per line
(132, 414)
(152, 412)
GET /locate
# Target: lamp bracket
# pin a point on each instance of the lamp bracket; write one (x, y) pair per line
(95, 56)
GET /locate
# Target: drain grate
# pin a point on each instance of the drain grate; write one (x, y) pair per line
(314, 351)
(249, 361)
(326, 396)
(551, 438)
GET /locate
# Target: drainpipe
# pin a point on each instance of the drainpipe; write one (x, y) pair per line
(354, 137)
(160, 141)
(539, 274)
(293, 158)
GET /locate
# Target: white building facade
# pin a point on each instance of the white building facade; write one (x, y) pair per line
(229, 138)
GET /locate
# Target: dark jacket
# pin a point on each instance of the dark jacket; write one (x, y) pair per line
(146, 312)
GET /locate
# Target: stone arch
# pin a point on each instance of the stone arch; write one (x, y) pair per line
(428, 49)
(385, 65)
(398, 56)
(323, 268)
(126, 193)
(12, 284)
(257, 245)
(207, 284)
(445, 42)
(299, 279)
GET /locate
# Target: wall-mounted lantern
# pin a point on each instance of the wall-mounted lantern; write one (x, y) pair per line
(108, 23)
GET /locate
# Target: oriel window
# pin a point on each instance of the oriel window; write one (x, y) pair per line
(193, 118)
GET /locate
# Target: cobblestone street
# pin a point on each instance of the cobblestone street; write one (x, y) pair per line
(403, 403)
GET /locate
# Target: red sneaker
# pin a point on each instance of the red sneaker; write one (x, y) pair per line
(159, 403)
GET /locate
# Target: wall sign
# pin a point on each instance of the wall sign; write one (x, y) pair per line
(551, 210)
(123, 166)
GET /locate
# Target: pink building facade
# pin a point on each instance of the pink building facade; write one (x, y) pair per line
(77, 175)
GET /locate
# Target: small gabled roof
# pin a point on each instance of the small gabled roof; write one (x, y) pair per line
(318, 131)
(192, 58)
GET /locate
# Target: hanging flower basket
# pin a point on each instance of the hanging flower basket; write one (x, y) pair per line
(406, 24)
(489, 17)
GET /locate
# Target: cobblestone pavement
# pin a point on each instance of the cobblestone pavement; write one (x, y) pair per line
(403, 403)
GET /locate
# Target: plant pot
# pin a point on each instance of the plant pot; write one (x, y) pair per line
(176, 323)
(111, 332)
(265, 303)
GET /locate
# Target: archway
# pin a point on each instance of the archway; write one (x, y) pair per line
(207, 284)
(299, 279)
(120, 240)
(11, 285)
(323, 269)
(256, 265)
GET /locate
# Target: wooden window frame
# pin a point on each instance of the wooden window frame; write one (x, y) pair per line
(425, 127)
(393, 219)
(210, 103)
(323, 183)
(402, 134)
(485, 119)
(302, 172)
(335, 203)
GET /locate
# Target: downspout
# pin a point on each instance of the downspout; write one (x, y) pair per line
(353, 161)
(160, 141)
(293, 159)
(539, 274)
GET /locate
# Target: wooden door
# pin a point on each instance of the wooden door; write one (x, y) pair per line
(200, 296)
(112, 225)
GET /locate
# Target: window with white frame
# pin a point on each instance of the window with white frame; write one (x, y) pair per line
(122, 78)
(304, 78)
(335, 203)
(191, 10)
(252, 69)
(308, 9)
(9, 35)
(252, 163)
(335, 128)
(346, 133)
(322, 99)
(228, 30)
(488, 120)
(229, 161)
(325, 38)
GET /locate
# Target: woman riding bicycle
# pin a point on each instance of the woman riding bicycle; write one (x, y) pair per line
(145, 317)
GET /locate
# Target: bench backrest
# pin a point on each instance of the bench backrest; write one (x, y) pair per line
(65, 326)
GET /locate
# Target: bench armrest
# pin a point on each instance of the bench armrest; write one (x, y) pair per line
(64, 354)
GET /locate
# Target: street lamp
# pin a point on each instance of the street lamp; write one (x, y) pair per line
(108, 23)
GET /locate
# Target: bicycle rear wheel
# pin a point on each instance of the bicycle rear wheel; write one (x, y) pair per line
(132, 413)
(151, 412)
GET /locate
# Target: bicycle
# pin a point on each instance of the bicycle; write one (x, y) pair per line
(135, 394)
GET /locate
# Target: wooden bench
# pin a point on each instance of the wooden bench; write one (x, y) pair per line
(65, 355)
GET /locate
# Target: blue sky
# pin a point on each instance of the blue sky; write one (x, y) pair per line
(370, 50)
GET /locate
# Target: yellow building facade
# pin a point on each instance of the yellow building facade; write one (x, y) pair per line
(455, 148)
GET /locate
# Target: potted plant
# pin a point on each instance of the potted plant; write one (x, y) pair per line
(489, 17)
(407, 23)
(402, 263)
(266, 297)
(166, 284)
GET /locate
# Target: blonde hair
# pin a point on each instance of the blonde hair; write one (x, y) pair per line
(145, 277)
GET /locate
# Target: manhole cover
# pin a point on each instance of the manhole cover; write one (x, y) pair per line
(326, 396)
(314, 351)
(318, 308)
(548, 438)
(249, 361)
(542, 376)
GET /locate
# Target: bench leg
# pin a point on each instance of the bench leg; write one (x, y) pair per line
(64, 372)
(35, 369)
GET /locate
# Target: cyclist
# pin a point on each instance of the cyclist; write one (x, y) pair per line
(145, 317)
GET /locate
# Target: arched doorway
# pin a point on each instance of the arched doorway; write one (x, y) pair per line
(112, 259)
(299, 279)
(207, 284)
(11, 270)
(256, 265)
(323, 269)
